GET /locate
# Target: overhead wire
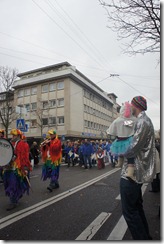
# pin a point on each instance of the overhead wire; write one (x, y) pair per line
(73, 40)
(77, 29)
(65, 32)
(92, 45)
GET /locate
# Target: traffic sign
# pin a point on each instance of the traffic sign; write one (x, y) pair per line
(20, 124)
(25, 129)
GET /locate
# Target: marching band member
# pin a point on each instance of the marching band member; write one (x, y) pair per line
(2, 135)
(51, 155)
(16, 173)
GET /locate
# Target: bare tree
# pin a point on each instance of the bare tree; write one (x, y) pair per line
(7, 77)
(40, 115)
(137, 21)
(7, 110)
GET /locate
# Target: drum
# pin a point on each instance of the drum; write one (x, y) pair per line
(6, 152)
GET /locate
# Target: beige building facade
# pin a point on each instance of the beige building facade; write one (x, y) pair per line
(60, 97)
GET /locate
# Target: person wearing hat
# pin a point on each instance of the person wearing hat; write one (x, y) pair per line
(142, 149)
(2, 135)
(51, 151)
(16, 173)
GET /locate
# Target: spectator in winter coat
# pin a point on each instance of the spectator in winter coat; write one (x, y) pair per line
(80, 153)
(87, 152)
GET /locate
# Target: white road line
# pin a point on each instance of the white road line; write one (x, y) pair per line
(121, 227)
(118, 197)
(91, 230)
(119, 230)
(36, 207)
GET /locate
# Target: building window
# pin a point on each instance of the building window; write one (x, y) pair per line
(33, 90)
(85, 123)
(3, 111)
(61, 120)
(45, 121)
(60, 85)
(45, 104)
(27, 106)
(45, 88)
(33, 106)
(61, 102)
(52, 120)
(52, 103)
(20, 93)
(27, 92)
(52, 86)
(33, 123)
(3, 97)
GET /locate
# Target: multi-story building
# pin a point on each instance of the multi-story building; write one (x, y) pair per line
(60, 97)
(7, 111)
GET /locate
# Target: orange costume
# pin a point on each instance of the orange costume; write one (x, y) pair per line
(51, 155)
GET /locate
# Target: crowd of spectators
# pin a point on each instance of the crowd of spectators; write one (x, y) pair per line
(85, 152)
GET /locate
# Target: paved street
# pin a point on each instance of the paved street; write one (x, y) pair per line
(85, 207)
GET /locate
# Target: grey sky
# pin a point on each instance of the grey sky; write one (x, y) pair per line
(35, 34)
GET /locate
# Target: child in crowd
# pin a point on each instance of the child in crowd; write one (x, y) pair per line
(100, 158)
(123, 129)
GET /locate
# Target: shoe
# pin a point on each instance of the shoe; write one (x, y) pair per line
(11, 206)
(49, 188)
(56, 186)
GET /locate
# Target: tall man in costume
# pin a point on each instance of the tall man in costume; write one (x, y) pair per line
(16, 181)
(51, 155)
(2, 135)
(142, 149)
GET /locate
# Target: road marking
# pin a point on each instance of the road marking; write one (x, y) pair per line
(121, 227)
(119, 230)
(91, 230)
(118, 197)
(36, 207)
(33, 176)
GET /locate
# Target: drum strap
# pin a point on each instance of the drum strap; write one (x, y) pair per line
(16, 143)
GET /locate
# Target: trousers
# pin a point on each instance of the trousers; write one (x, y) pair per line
(132, 209)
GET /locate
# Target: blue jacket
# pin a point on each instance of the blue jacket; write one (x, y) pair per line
(87, 149)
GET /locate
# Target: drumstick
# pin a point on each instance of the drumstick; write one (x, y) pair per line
(28, 183)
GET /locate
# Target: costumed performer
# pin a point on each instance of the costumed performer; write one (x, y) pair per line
(16, 173)
(143, 150)
(51, 151)
(2, 135)
(123, 129)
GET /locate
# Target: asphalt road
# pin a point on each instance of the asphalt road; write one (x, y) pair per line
(85, 207)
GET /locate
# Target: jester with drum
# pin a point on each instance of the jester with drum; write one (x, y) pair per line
(16, 173)
(51, 151)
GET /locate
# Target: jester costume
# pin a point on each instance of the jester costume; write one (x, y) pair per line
(51, 156)
(16, 173)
